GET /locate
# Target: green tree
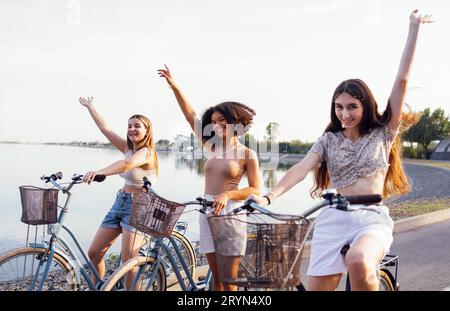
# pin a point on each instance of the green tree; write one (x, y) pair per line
(248, 140)
(272, 132)
(431, 126)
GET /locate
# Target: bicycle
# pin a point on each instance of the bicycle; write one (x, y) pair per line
(156, 216)
(53, 264)
(275, 244)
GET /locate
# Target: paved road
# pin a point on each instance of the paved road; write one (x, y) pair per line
(424, 255)
(425, 182)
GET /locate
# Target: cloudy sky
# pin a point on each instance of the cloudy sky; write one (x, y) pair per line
(283, 58)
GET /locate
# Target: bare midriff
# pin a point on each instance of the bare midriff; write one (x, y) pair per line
(131, 189)
(365, 185)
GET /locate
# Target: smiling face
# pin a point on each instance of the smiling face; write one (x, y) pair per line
(349, 110)
(136, 130)
(219, 124)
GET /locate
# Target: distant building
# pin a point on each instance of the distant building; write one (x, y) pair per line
(182, 142)
(442, 151)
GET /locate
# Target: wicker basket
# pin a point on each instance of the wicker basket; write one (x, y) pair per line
(273, 250)
(154, 215)
(39, 206)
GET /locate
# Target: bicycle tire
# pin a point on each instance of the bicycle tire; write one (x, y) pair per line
(386, 280)
(142, 262)
(188, 253)
(16, 275)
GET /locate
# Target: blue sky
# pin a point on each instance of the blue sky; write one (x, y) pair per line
(284, 59)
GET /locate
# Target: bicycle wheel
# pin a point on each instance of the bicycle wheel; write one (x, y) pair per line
(188, 254)
(144, 265)
(18, 267)
(386, 281)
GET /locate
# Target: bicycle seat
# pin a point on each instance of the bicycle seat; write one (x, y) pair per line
(345, 249)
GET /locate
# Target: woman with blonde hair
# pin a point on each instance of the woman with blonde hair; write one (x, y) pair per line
(140, 160)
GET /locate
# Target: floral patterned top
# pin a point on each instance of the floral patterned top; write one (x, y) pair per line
(347, 160)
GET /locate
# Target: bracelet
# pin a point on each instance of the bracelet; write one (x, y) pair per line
(268, 199)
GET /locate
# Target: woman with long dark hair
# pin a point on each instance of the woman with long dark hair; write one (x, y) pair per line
(359, 153)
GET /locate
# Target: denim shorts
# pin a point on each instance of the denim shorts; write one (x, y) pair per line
(120, 213)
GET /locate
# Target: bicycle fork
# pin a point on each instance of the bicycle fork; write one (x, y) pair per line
(49, 259)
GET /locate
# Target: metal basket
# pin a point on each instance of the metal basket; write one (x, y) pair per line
(154, 215)
(273, 251)
(39, 206)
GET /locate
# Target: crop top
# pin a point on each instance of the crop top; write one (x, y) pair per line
(134, 177)
(347, 160)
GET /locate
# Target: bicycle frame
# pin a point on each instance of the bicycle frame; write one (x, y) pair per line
(155, 253)
(68, 253)
(332, 199)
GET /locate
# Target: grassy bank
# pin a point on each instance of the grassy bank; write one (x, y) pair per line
(417, 207)
(444, 164)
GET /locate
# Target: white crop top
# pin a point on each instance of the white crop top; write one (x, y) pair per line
(134, 177)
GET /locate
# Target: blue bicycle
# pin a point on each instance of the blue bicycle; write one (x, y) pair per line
(169, 259)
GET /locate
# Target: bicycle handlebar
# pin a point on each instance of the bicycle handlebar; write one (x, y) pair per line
(329, 199)
(364, 199)
(76, 179)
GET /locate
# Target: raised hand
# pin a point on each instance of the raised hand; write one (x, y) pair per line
(417, 18)
(165, 73)
(86, 102)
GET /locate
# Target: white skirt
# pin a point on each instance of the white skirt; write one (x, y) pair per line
(335, 228)
(232, 237)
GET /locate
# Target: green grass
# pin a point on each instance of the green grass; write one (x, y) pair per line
(444, 164)
(418, 207)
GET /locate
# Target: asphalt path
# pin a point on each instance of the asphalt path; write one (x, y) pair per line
(425, 182)
(424, 257)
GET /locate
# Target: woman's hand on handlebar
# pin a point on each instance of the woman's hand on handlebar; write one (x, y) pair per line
(220, 202)
(91, 176)
(260, 200)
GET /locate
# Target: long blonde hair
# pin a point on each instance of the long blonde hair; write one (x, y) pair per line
(147, 141)
(395, 181)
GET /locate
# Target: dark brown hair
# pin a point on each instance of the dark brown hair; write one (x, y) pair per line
(395, 181)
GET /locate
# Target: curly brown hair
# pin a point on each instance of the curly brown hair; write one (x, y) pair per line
(233, 112)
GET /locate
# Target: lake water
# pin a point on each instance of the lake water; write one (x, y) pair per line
(181, 179)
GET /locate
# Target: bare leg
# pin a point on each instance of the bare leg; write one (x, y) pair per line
(131, 243)
(212, 262)
(362, 261)
(234, 273)
(218, 285)
(323, 283)
(103, 240)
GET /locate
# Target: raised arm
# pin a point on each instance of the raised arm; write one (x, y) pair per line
(293, 176)
(398, 92)
(114, 138)
(186, 108)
